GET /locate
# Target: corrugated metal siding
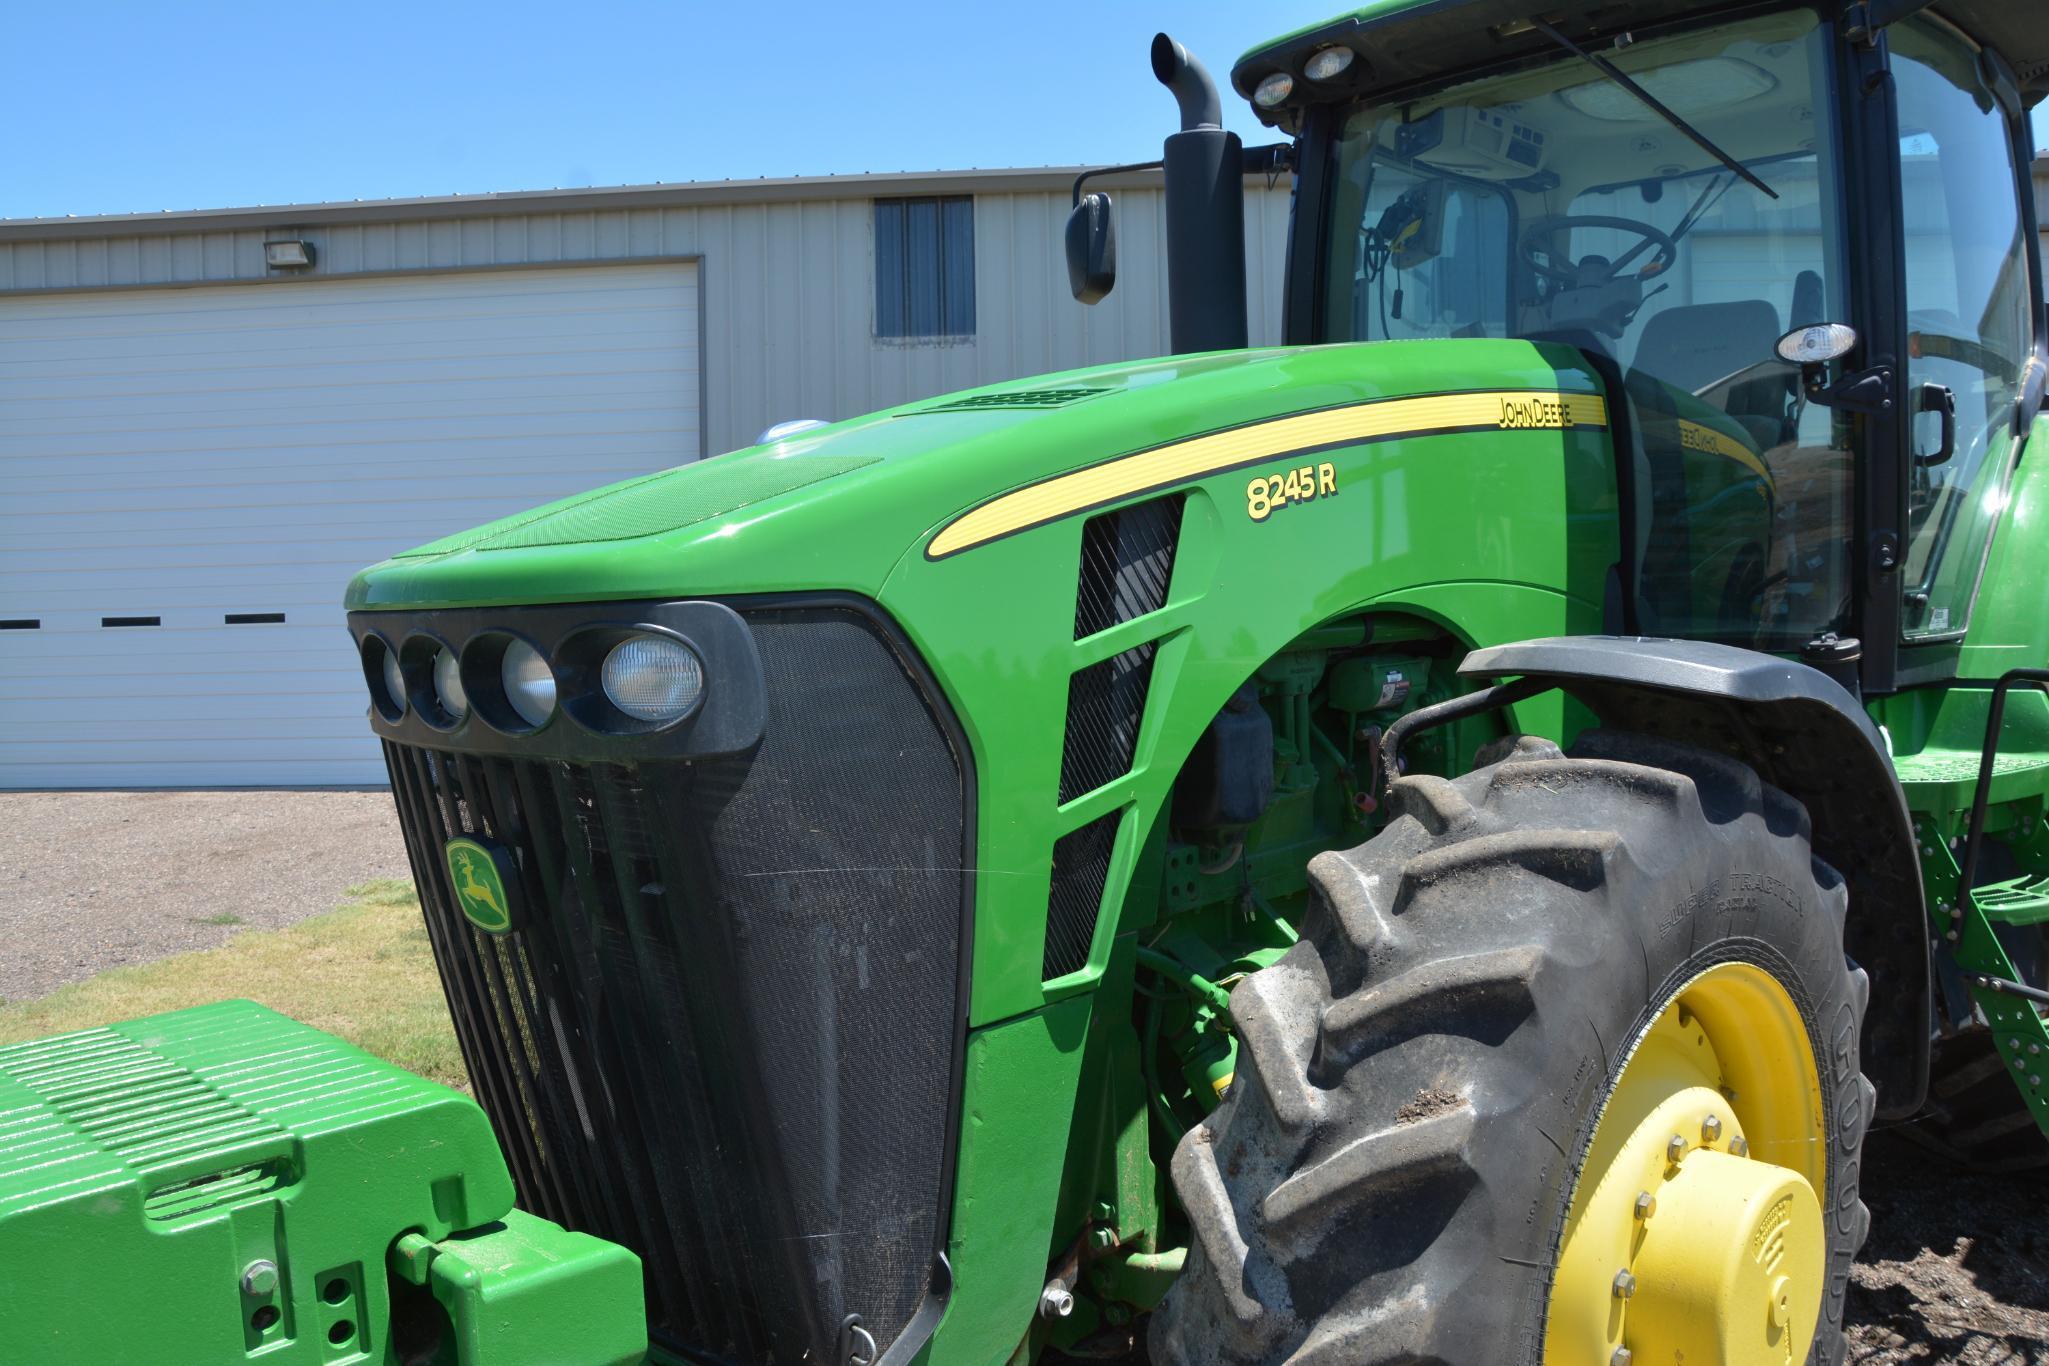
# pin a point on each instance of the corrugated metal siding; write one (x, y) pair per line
(788, 287)
(189, 454)
(2040, 170)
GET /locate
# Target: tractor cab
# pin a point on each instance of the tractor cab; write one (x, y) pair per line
(1673, 195)
(1815, 399)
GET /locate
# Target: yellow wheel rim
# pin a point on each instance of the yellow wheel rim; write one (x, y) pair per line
(1694, 1233)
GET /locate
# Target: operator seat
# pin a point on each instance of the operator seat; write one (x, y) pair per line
(1685, 350)
(1693, 346)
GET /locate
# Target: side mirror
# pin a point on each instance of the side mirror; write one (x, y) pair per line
(1091, 249)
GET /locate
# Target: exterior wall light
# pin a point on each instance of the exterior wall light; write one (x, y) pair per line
(288, 254)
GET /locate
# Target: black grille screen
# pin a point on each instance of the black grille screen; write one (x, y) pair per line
(1105, 703)
(1127, 564)
(724, 1033)
(1081, 869)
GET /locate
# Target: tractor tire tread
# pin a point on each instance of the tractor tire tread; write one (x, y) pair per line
(1387, 1181)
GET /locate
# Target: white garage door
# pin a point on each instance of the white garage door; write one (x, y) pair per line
(188, 477)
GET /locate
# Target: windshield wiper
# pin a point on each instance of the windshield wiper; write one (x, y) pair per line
(1615, 74)
(1709, 197)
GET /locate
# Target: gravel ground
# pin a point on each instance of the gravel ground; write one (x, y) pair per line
(1956, 1269)
(94, 880)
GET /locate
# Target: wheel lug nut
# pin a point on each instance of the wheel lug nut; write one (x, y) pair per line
(1711, 1128)
(1675, 1147)
(1739, 1146)
(1646, 1204)
(1625, 1284)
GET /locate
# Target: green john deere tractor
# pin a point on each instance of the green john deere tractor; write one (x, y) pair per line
(1431, 842)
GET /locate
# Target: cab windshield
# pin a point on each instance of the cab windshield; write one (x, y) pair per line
(1553, 204)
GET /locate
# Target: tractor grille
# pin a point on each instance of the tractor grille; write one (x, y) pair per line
(725, 1032)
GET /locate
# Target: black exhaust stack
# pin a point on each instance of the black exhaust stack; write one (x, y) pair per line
(1205, 169)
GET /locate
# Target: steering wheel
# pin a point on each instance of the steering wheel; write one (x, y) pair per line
(1534, 238)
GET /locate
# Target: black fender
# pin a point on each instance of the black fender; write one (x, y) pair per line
(1811, 739)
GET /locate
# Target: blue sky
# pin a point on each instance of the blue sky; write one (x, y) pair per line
(120, 107)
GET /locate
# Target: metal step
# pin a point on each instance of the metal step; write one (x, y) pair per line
(2018, 901)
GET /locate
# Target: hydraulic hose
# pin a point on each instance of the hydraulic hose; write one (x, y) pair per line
(1154, 1095)
(1176, 971)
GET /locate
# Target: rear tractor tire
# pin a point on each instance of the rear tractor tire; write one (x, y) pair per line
(1563, 1071)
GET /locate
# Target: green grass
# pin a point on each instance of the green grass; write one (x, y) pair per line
(223, 918)
(364, 971)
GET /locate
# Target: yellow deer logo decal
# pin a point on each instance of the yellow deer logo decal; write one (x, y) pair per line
(479, 889)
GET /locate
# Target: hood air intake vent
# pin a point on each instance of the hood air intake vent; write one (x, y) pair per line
(1127, 564)
(1014, 398)
(1081, 870)
(1105, 703)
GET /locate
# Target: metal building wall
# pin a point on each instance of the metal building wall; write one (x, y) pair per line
(788, 302)
(2039, 171)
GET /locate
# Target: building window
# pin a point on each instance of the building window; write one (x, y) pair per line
(925, 267)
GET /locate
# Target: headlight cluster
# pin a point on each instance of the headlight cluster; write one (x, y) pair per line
(609, 679)
(1323, 66)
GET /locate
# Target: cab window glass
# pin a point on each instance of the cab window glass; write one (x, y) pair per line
(1968, 314)
(1721, 420)
(1431, 260)
(1552, 204)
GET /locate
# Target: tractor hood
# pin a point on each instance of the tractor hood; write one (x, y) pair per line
(839, 507)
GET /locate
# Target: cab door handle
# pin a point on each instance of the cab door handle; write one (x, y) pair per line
(1938, 398)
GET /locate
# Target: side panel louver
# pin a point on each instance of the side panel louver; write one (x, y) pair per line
(1105, 703)
(1127, 564)
(1081, 869)
(1126, 569)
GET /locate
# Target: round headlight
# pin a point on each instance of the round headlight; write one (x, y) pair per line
(1328, 62)
(653, 678)
(528, 682)
(394, 681)
(1273, 90)
(448, 685)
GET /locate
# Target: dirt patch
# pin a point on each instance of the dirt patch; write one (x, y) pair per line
(1434, 1100)
(95, 880)
(1957, 1265)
